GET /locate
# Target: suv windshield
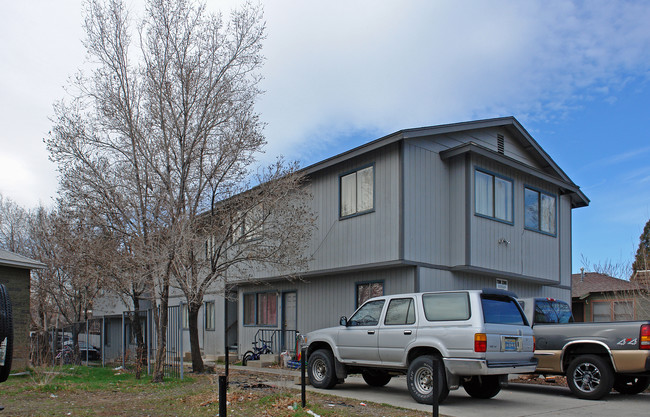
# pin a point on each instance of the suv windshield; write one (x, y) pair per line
(502, 310)
(552, 311)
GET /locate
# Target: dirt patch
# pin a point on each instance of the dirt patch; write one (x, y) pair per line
(555, 380)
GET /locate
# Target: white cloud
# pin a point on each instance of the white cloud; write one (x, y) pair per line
(340, 68)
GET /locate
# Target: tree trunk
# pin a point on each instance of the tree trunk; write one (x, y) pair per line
(140, 359)
(193, 316)
(161, 317)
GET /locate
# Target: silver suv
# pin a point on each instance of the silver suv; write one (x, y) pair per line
(439, 340)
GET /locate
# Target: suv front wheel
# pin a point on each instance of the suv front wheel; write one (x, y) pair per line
(425, 374)
(321, 369)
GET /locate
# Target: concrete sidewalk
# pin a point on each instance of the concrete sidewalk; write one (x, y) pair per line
(515, 401)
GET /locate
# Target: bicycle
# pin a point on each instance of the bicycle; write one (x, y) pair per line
(253, 355)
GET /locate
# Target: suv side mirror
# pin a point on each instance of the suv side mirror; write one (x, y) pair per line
(343, 321)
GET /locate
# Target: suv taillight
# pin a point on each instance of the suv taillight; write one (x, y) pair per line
(644, 339)
(480, 342)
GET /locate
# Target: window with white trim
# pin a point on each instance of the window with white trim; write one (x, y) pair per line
(493, 196)
(357, 192)
(185, 316)
(539, 211)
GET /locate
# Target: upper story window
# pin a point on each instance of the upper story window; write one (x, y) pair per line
(539, 211)
(493, 196)
(357, 191)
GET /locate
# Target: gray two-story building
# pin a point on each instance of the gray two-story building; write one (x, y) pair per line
(459, 206)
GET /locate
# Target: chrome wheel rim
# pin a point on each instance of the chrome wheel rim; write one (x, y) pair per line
(423, 380)
(587, 377)
(319, 369)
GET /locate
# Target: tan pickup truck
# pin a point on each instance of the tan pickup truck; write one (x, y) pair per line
(595, 357)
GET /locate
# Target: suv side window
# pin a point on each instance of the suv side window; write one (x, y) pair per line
(446, 306)
(368, 314)
(400, 311)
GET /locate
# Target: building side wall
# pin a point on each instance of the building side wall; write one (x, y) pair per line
(16, 280)
(441, 280)
(322, 300)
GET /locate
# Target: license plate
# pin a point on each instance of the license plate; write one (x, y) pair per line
(509, 344)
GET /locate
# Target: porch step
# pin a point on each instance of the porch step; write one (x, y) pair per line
(259, 364)
(270, 357)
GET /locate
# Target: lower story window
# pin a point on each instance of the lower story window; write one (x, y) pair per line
(209, 315)
(613, 310)
(261, 309)
(368, 290)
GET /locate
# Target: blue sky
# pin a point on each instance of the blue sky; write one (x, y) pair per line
(339, 73)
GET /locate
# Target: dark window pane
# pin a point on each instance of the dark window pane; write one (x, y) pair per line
(501, 311)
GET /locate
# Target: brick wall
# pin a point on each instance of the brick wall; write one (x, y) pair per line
(17, 282)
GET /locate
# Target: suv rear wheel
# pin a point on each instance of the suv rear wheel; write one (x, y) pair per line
(425, 373)
(376, 378)
(482, 386)
(321, 369)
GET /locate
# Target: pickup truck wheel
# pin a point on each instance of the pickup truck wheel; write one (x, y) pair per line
(321, 369)
(421, 380)
(630, 385)
(376, 378)
(590, 377)
(6, 332)
(482, 386)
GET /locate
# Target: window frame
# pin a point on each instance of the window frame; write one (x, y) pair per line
(256, 307)
(185, 316)
(374, 189)
(356, 291)
(494, 176)
(612, 308)
(206, 315)
(410, 307)
(539, 191)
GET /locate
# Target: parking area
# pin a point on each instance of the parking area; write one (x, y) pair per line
(514, 401)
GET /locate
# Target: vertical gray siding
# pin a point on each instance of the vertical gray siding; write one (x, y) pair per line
(439, 280)
(485, 137)
(322, 300)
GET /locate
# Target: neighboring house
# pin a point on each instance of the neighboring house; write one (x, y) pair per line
(15, 275)
(458, 206)
(600, 297)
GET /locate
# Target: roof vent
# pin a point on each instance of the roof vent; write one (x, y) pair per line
(500, 144)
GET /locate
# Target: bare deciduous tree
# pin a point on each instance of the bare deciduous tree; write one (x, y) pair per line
(14, 221)
(157, 143)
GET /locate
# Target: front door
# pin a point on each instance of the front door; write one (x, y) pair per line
(358, 340)
(289, 320)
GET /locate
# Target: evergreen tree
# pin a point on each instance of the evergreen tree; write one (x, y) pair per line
(642, 258)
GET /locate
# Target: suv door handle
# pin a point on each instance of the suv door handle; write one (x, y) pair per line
(407, 332)
(371, 332)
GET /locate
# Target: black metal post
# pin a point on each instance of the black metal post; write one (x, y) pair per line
(435, 382)
(303, 393)
(222, 396)
(225, 327)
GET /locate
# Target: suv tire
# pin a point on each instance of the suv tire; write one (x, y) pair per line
(322, 373)
(590, 377)
(482, 386)
(376, 378)
(6, 332)
(421, 380)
